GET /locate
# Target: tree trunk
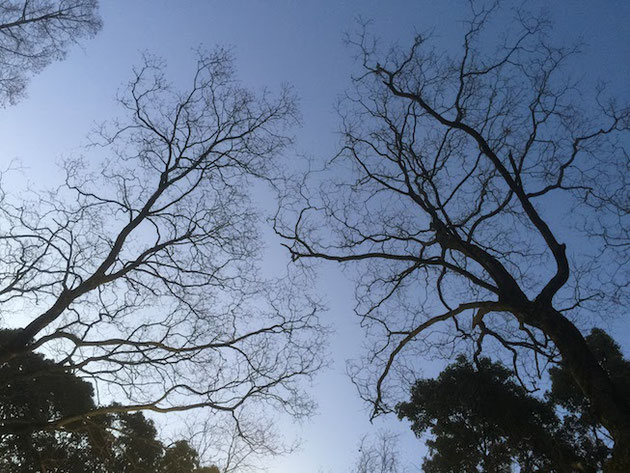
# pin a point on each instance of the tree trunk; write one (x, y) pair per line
(607, 403)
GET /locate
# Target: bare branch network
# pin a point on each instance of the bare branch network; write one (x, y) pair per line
(33, 33)
(140, 272)
(439, 197)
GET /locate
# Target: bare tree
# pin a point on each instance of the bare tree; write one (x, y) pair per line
(140, 272)
(33, 33)
(221, 444)
(378, 455)
(444, 195)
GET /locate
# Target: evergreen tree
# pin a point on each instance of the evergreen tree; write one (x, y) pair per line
(38, 391)
(482, 419)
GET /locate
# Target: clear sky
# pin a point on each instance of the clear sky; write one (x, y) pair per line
(298, 42)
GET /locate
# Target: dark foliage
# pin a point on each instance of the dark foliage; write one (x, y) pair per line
(141, 270)
(580, 424)
(34, 392)
(482, 419)
(444, 199)
(38, 391)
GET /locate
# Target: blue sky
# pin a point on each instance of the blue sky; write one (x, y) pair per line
(275, 42)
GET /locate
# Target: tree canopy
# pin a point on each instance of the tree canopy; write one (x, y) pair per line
(482, 419)
(138, 277)
(140, 270)
(442, 197)
(33, 33)
(38, 392)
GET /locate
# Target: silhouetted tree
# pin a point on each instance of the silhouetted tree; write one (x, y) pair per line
(34, 392)
(482, 419)
(38, 393)
(378, 455)
(580, 422)
(33, 33)
(136, 449)
(180, 458)
(133, 446)
(140, 272)
(440, 195)
(208, 469)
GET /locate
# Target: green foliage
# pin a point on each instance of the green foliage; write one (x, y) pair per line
(580, 425)
(35, 392)
(180, 458)
(208, 469)
(38, 391)
(565, 391)
(136, 448)
(481, 419)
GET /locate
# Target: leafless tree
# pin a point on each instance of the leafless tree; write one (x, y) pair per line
(444, 196)
(220, 443)
(33, 33)
(378, 455)
(140, 271)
